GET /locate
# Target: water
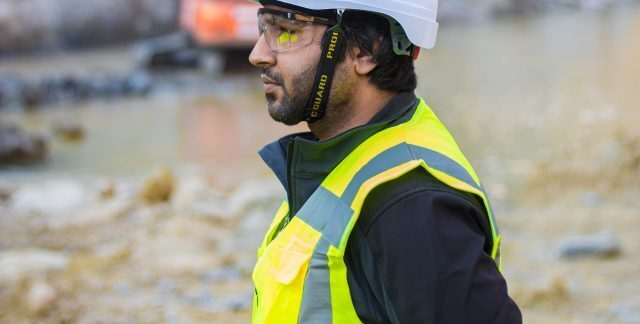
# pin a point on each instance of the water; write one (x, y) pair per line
(495, 83)
(501, 87)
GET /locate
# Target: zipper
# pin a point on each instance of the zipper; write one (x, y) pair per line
(290, 152)
(285, 221)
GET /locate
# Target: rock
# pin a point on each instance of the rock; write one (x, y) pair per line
(41, 297)
(18, 147)
(69, 131)
(12, 88)
(165, 286)
(137, 83)
(123, 288)
(92, 214)
(16, 92)
(254, 226)
(628, 311)
(235, 302)
(106, 189)
(224, 274)
(553, 294)
(159, 187)
(192, 189)
(178, 245)
(254, 193)
(55, 197)
(104, 86)
(45, 24)
(591, 199)
(598, 245)
(213, 209)
(196, 198)
(6, 191)
(19, 264)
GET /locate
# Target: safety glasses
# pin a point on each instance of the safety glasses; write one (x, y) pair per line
(284, 29)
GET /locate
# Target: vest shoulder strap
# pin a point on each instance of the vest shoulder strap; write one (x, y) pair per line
(423, 142)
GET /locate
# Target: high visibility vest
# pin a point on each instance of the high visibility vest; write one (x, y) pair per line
(300, 276)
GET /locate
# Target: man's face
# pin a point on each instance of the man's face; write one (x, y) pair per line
(288, 74)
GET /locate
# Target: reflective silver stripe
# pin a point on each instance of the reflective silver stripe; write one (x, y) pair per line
(330, 215)
(327, 214)
(316, 296)
(490, 210)
(445, 164)
(403, 153)
(400, 154)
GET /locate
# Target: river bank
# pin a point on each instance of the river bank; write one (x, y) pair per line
(97, 233)
(54, 25)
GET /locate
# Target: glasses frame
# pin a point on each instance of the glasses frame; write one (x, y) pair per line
(294, 16)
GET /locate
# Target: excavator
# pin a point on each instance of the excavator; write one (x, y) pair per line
(210, 33)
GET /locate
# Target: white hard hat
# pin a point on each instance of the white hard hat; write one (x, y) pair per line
(417, 17)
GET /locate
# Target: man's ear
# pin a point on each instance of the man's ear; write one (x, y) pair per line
(363, 62)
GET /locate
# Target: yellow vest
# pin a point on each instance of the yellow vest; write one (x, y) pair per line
(300, 275)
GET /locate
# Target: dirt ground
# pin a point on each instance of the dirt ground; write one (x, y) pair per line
(551, 132)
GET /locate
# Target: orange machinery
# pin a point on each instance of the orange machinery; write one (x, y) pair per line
(220, 23)
(211, 33)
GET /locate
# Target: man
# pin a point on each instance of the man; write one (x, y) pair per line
(385, 221)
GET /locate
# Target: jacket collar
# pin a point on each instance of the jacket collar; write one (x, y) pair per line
(301, 162)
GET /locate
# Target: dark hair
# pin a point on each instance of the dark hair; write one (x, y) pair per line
(371, 33)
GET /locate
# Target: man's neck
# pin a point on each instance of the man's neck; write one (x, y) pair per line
(357, 112)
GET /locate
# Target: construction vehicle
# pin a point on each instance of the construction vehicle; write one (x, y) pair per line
(210, 33)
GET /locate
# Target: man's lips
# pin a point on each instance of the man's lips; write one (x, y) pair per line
(269, 84)
(267, 80)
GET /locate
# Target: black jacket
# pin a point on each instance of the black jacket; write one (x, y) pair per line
(419, 251)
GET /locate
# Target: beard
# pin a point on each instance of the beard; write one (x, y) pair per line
(291, 108)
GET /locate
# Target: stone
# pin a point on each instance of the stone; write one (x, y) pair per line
(123, 289)
(19, 147)
(235, 302)
(69, 131)
(254, 225)
(591, 199)
(54, 197)
(41, 297)
(106, 189)
(137, 83)
(177, 246)
(20, 264)
(28, 25)
(600, 245)
(159, 187)
(6, 191)
(92, 214)
(12, 88)
(224, 274)
(628, 311)
(192, 189)
(165, 286)
(255, 193)
(552, 294)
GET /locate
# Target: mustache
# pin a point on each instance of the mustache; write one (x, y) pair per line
(273, 76)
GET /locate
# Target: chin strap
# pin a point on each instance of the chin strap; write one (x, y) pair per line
(333, 40)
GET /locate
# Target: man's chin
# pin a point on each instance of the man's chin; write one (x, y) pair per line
(282, 115)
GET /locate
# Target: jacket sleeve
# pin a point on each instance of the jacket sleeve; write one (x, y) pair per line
(428, 248)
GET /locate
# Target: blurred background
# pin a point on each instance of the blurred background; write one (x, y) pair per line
(131, 191)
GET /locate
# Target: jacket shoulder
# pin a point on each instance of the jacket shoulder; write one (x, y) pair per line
(416, 182)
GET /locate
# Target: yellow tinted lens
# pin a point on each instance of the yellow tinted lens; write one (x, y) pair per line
(287, 38)
(282, 33)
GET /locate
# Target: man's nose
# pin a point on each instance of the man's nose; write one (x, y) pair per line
(262, 55)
